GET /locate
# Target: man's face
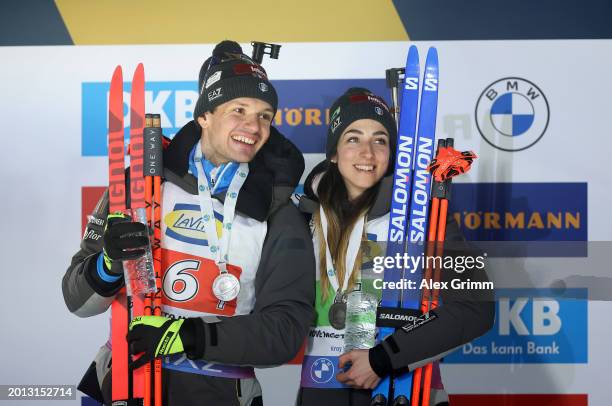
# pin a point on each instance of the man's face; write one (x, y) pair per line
(236, 130)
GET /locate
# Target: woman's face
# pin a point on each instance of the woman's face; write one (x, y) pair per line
(362, 155)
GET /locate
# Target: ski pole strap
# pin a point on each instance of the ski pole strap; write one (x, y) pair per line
(449, 163)
(395, 317)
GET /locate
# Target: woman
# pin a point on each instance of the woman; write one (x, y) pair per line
(348, 199)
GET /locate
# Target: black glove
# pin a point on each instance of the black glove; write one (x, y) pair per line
(156, 336)
(123, 239)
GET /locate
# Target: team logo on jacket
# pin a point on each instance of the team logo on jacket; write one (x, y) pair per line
(322, 370)
(512, 114)
(184, 223)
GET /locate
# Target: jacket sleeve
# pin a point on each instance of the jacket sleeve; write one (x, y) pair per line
(284, 306)
(86, 287)
(464, 315)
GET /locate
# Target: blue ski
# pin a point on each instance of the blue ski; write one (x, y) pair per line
(420, 196)
(402, 179)
(414, 152)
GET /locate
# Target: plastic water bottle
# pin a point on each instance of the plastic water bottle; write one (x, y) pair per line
(360, 330)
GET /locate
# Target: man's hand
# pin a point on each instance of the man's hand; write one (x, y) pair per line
(155, 336)
(123, 239)
(360, 374)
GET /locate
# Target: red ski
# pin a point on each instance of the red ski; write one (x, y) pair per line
(128, 387)
(116, 197)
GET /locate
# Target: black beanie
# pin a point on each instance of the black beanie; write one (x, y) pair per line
(229, 74)
(355, 104)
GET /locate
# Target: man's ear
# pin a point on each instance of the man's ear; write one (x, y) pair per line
(202, 121)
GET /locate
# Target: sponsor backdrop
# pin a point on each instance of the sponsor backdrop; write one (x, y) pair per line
(535, 112)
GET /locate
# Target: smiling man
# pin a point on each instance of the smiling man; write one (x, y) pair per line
(238, 272)
(236, 130)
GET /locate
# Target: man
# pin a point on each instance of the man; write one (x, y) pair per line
(237, 258)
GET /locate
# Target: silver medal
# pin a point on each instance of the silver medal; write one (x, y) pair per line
(337, 312)
(226, 287)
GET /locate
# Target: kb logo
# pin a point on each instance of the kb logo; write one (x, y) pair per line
(544, 317)
(532, 326)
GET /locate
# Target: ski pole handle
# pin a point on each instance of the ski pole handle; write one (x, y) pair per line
(259, 50)
(393, 78)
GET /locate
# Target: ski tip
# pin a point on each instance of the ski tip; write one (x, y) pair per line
(413, 55)
(412, 62)
(138, 84)
(117, 73)
(432, 55)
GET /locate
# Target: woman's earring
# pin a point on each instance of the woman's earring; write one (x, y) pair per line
(333, 161)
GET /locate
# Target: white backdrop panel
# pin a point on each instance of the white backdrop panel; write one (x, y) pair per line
(43, 171)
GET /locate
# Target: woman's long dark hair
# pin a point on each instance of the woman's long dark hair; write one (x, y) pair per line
(342, 214)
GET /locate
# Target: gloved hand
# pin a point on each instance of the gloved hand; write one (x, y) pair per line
(155, 336)
(123, 239)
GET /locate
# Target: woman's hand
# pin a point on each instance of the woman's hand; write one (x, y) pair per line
(359, 375)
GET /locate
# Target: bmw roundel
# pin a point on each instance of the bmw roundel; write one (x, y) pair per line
(322, 370)
(512, 114)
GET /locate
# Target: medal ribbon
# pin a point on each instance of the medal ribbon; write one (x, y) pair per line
(351, 253)
(219, 249)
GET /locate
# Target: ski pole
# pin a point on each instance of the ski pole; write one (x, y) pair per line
(394, 78)
(259, 50)
(447, 164)
(157, 251)
(435, 237)
(439, 246)
(153, 170)
(148, 205)
(426, 297)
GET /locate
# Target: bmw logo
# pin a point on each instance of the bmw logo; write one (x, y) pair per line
(322, 370)
(512, 114)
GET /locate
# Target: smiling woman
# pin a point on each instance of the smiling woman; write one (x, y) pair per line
(346, 188)
(363, 156)
(348, 198)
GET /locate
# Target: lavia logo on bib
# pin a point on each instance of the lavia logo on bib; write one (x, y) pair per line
(185, 224)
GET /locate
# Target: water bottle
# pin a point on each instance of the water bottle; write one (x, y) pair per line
(360, 330)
